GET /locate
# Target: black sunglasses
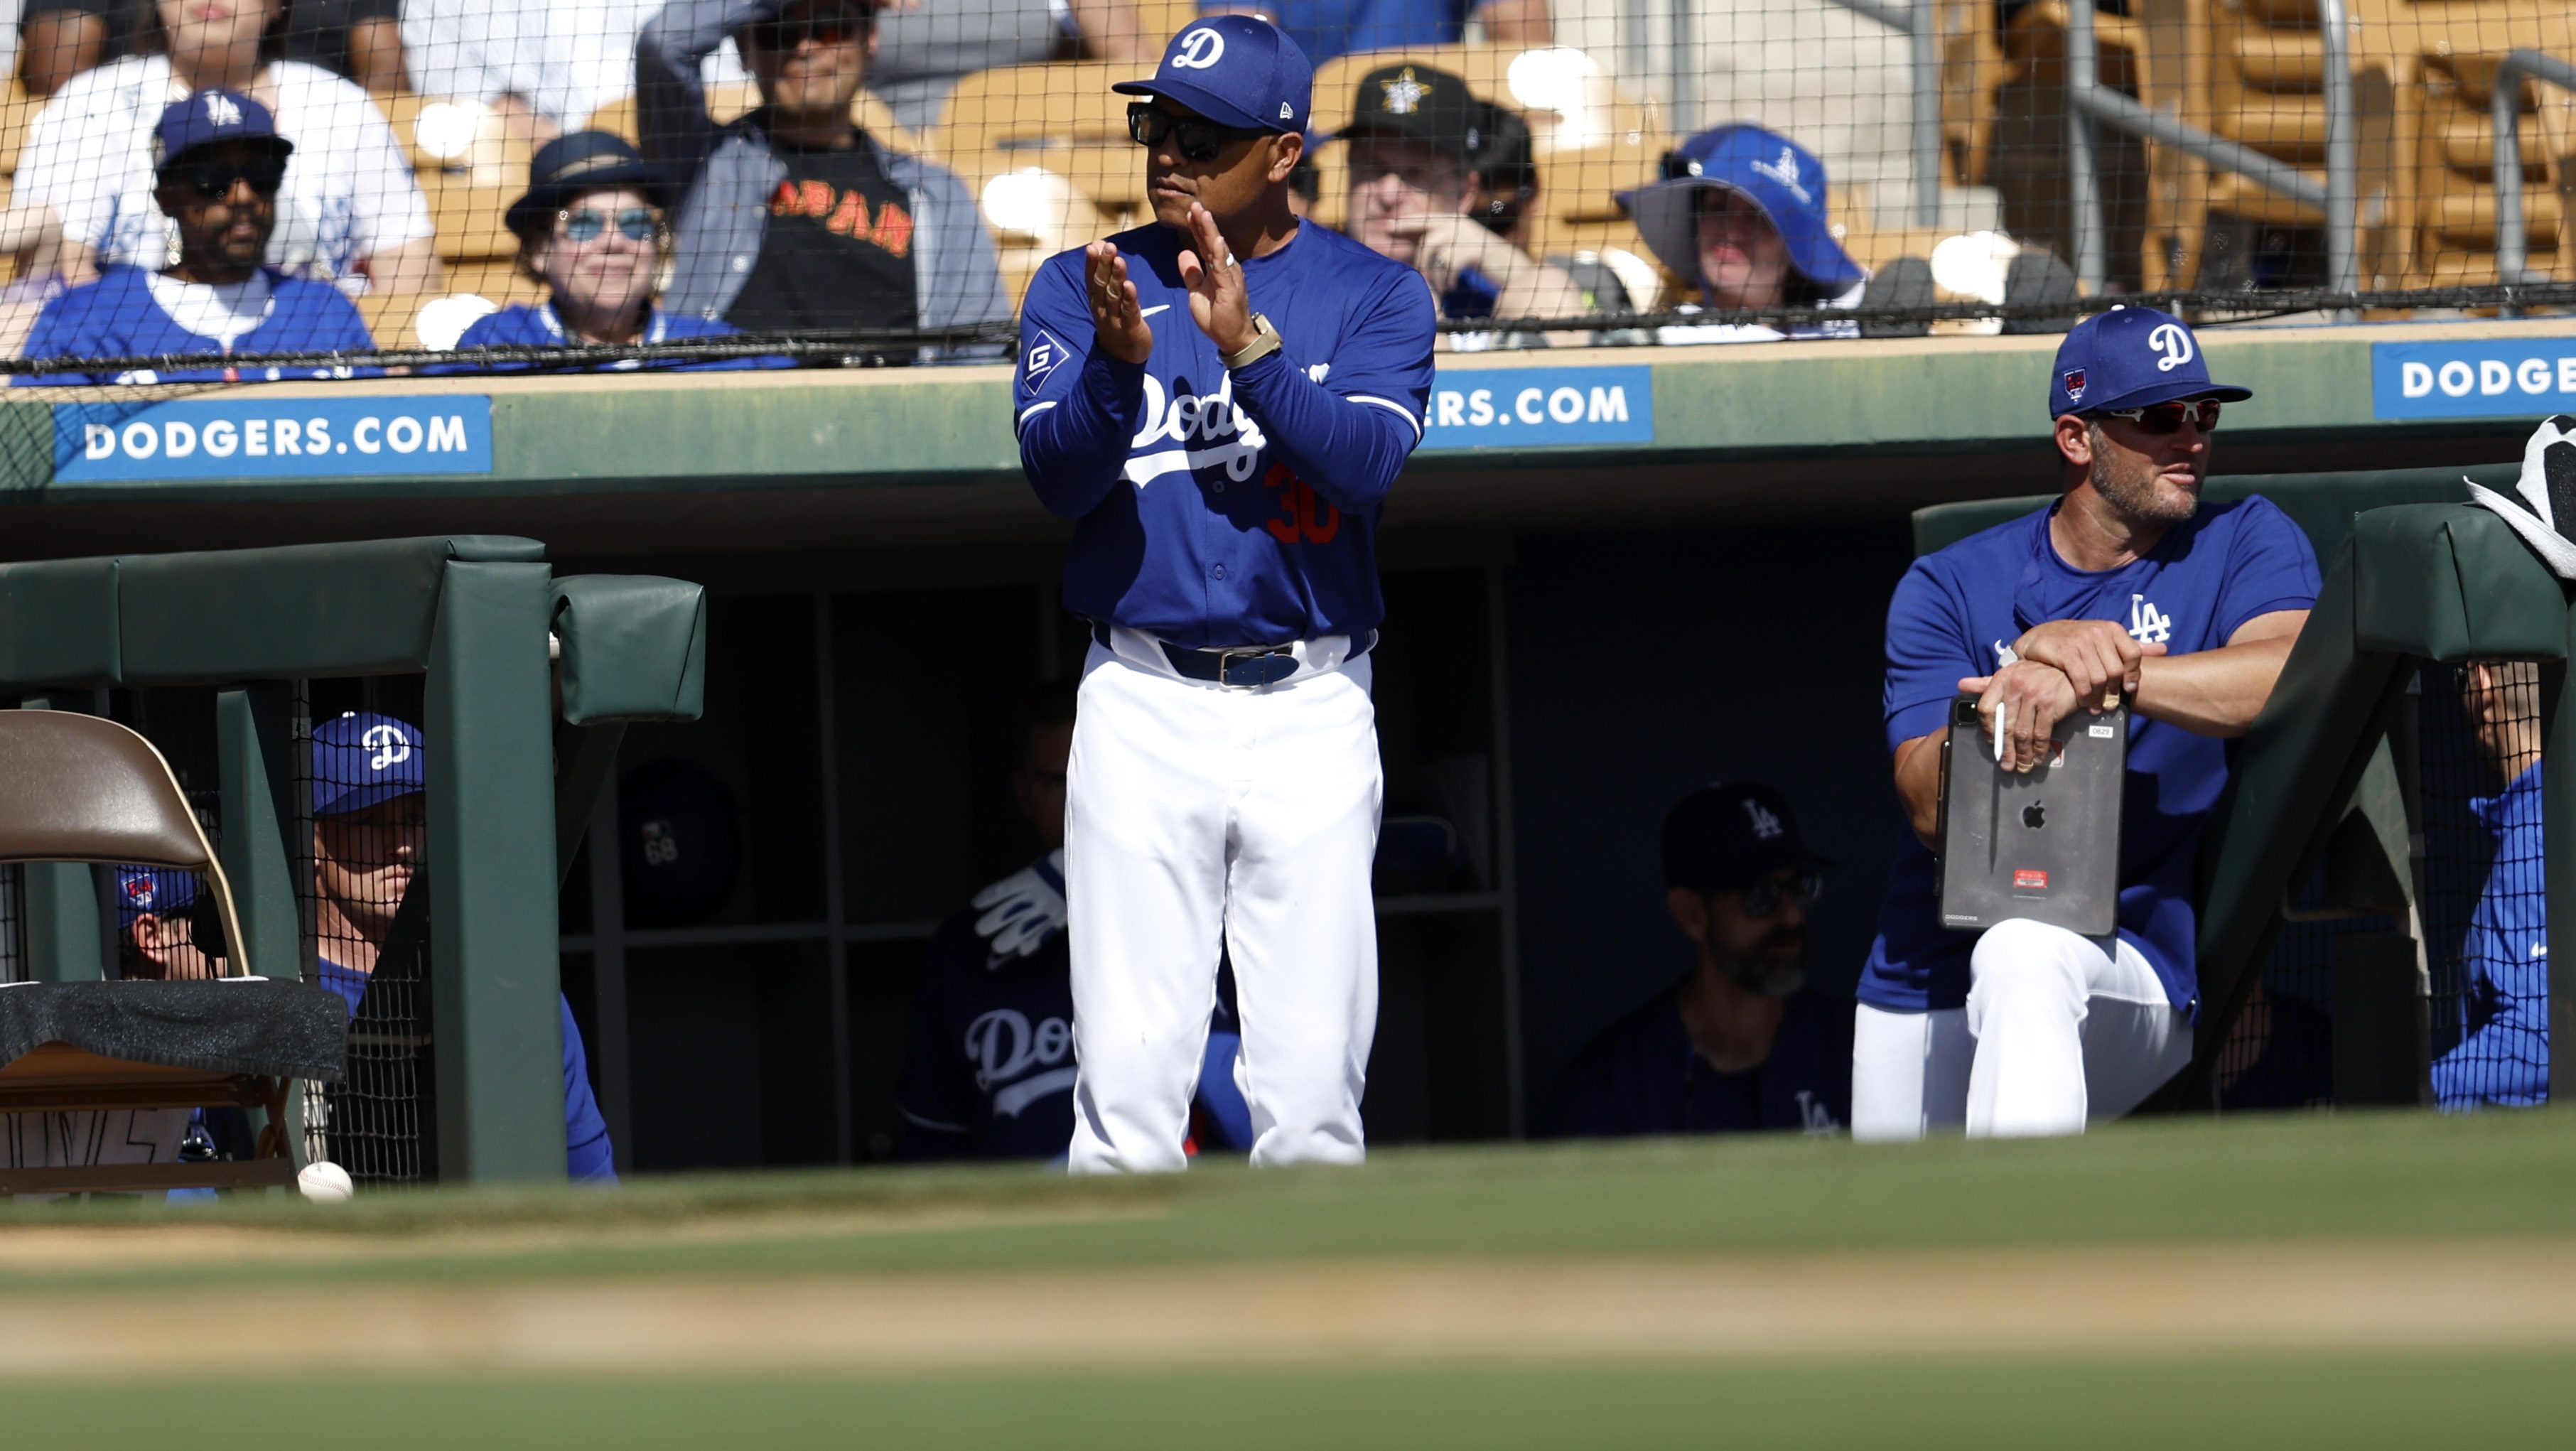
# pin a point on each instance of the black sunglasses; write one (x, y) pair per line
(821, 29)
(1197, 139)
(212, 181)
(2160, 419)
(1763, 897)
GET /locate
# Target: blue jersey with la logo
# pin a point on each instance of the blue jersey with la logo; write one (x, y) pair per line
(1954, 614)
(1214, 508)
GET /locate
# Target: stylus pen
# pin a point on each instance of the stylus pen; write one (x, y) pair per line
(2003, 713)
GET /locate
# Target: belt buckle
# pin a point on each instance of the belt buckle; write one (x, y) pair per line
(1225, 664)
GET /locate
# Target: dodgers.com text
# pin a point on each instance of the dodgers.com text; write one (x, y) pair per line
(252, 438)
(1528, 407)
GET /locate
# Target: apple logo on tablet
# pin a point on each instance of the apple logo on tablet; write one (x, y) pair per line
(2035, 815)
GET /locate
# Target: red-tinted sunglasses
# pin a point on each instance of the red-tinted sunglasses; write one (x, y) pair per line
(2164, 418)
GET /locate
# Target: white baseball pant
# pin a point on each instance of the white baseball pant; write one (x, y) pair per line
(1198, 815)
(2056, 1032)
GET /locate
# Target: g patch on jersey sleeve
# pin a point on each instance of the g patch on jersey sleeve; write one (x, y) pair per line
(1038, 360)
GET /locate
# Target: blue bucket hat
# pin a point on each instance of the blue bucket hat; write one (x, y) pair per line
(157, 891)
(1236, 70)
(211, 118)
(2131, 357)
(363, 758)
(1775, 173)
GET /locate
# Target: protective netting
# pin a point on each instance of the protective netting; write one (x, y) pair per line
(361, 843)
(2485, 907)
(837, 184)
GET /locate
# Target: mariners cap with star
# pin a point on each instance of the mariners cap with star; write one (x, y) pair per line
(211, 118)
(2131, 357)
(1425, 104)
(1768, 169)
(363, 758)
(1237, 70)
(1733, 834)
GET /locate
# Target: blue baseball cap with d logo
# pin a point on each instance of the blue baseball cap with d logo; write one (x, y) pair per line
(2131, 357)
(1235, 70)
(363, 758)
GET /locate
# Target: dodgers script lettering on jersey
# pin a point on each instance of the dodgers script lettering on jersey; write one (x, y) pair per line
(1216, 508)
(1953, 616)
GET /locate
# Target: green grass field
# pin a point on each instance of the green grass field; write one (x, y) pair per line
(2385, 1187)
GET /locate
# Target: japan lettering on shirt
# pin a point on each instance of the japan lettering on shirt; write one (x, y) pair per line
(844, 214)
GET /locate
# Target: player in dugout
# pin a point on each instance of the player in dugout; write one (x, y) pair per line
(2502, 1056)
(1738, 1043)
(157, 922)
(2128, 584)
(218, 161)
(1220, 402)
(989, 1072)
(370, 829)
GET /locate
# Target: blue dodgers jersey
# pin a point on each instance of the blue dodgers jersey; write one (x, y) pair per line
(988, 1070)
(1213, 508)
(1641, 1076)
(116, 317)
(520, 325)
(588, 1155)
(1327, 28)
(1958, 609)
(2502, 1056)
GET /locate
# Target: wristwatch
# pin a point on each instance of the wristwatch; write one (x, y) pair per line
(1265, 341)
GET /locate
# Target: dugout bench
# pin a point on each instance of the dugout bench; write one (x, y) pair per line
(507, 652)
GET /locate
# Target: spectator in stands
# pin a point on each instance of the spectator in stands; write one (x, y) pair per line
(360, 39)
(370, 832)
(348, 210)
(544, 67)
(2502, 1057)
(1327, 28)
(1420, 147)
(218, 184)
(1738, 1043)
(924, 50)
(1741, 213)
(591, 228)
(792, 217)
(157, 926)
(989, 1073)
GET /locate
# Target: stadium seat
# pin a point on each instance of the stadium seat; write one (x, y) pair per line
(1062, 119)
(17, 112)
(79, 788)
(469, 167)
(729, 102)
(1571, 101)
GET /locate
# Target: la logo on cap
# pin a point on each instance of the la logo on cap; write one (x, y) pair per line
(221, 111)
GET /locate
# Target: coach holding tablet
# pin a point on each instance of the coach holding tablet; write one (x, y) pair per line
(2127, 582)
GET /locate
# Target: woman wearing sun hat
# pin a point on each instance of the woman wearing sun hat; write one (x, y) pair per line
(1741, 212)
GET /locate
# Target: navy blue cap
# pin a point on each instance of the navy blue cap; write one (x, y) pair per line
(157, 891)
(210, 118)
(363, 758)
(1733, 834)
(584, 161)
(1237, 70)
(2130, 357)
(1775, 173)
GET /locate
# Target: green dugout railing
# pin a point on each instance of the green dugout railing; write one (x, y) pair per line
(507, 650)
(2411, 575)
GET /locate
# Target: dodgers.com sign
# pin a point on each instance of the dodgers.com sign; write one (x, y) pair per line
(271, 438)
(2504, 378)
(1524, 407)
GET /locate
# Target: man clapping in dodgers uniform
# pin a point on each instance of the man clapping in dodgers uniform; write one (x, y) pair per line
(1220, 402)
(2128, 582)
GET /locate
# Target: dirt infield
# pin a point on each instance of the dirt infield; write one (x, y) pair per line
(1973, 1302)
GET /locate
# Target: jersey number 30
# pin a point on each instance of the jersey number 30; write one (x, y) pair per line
(1302, 515)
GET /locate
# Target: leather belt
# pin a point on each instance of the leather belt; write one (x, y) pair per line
(1249, 667)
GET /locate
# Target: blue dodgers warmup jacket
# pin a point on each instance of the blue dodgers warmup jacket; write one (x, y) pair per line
(116, 317)
(1952, 616)
(1642, 1076)
(520, 325)
(587, 1155)
(1217, 509)
(988, 1073)
(2503, 1053)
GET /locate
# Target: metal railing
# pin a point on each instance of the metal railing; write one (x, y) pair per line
(2504, 111)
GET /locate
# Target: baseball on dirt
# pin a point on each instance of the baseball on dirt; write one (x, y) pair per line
(325, 1182)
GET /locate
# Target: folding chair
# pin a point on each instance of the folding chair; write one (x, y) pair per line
(76, 788)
